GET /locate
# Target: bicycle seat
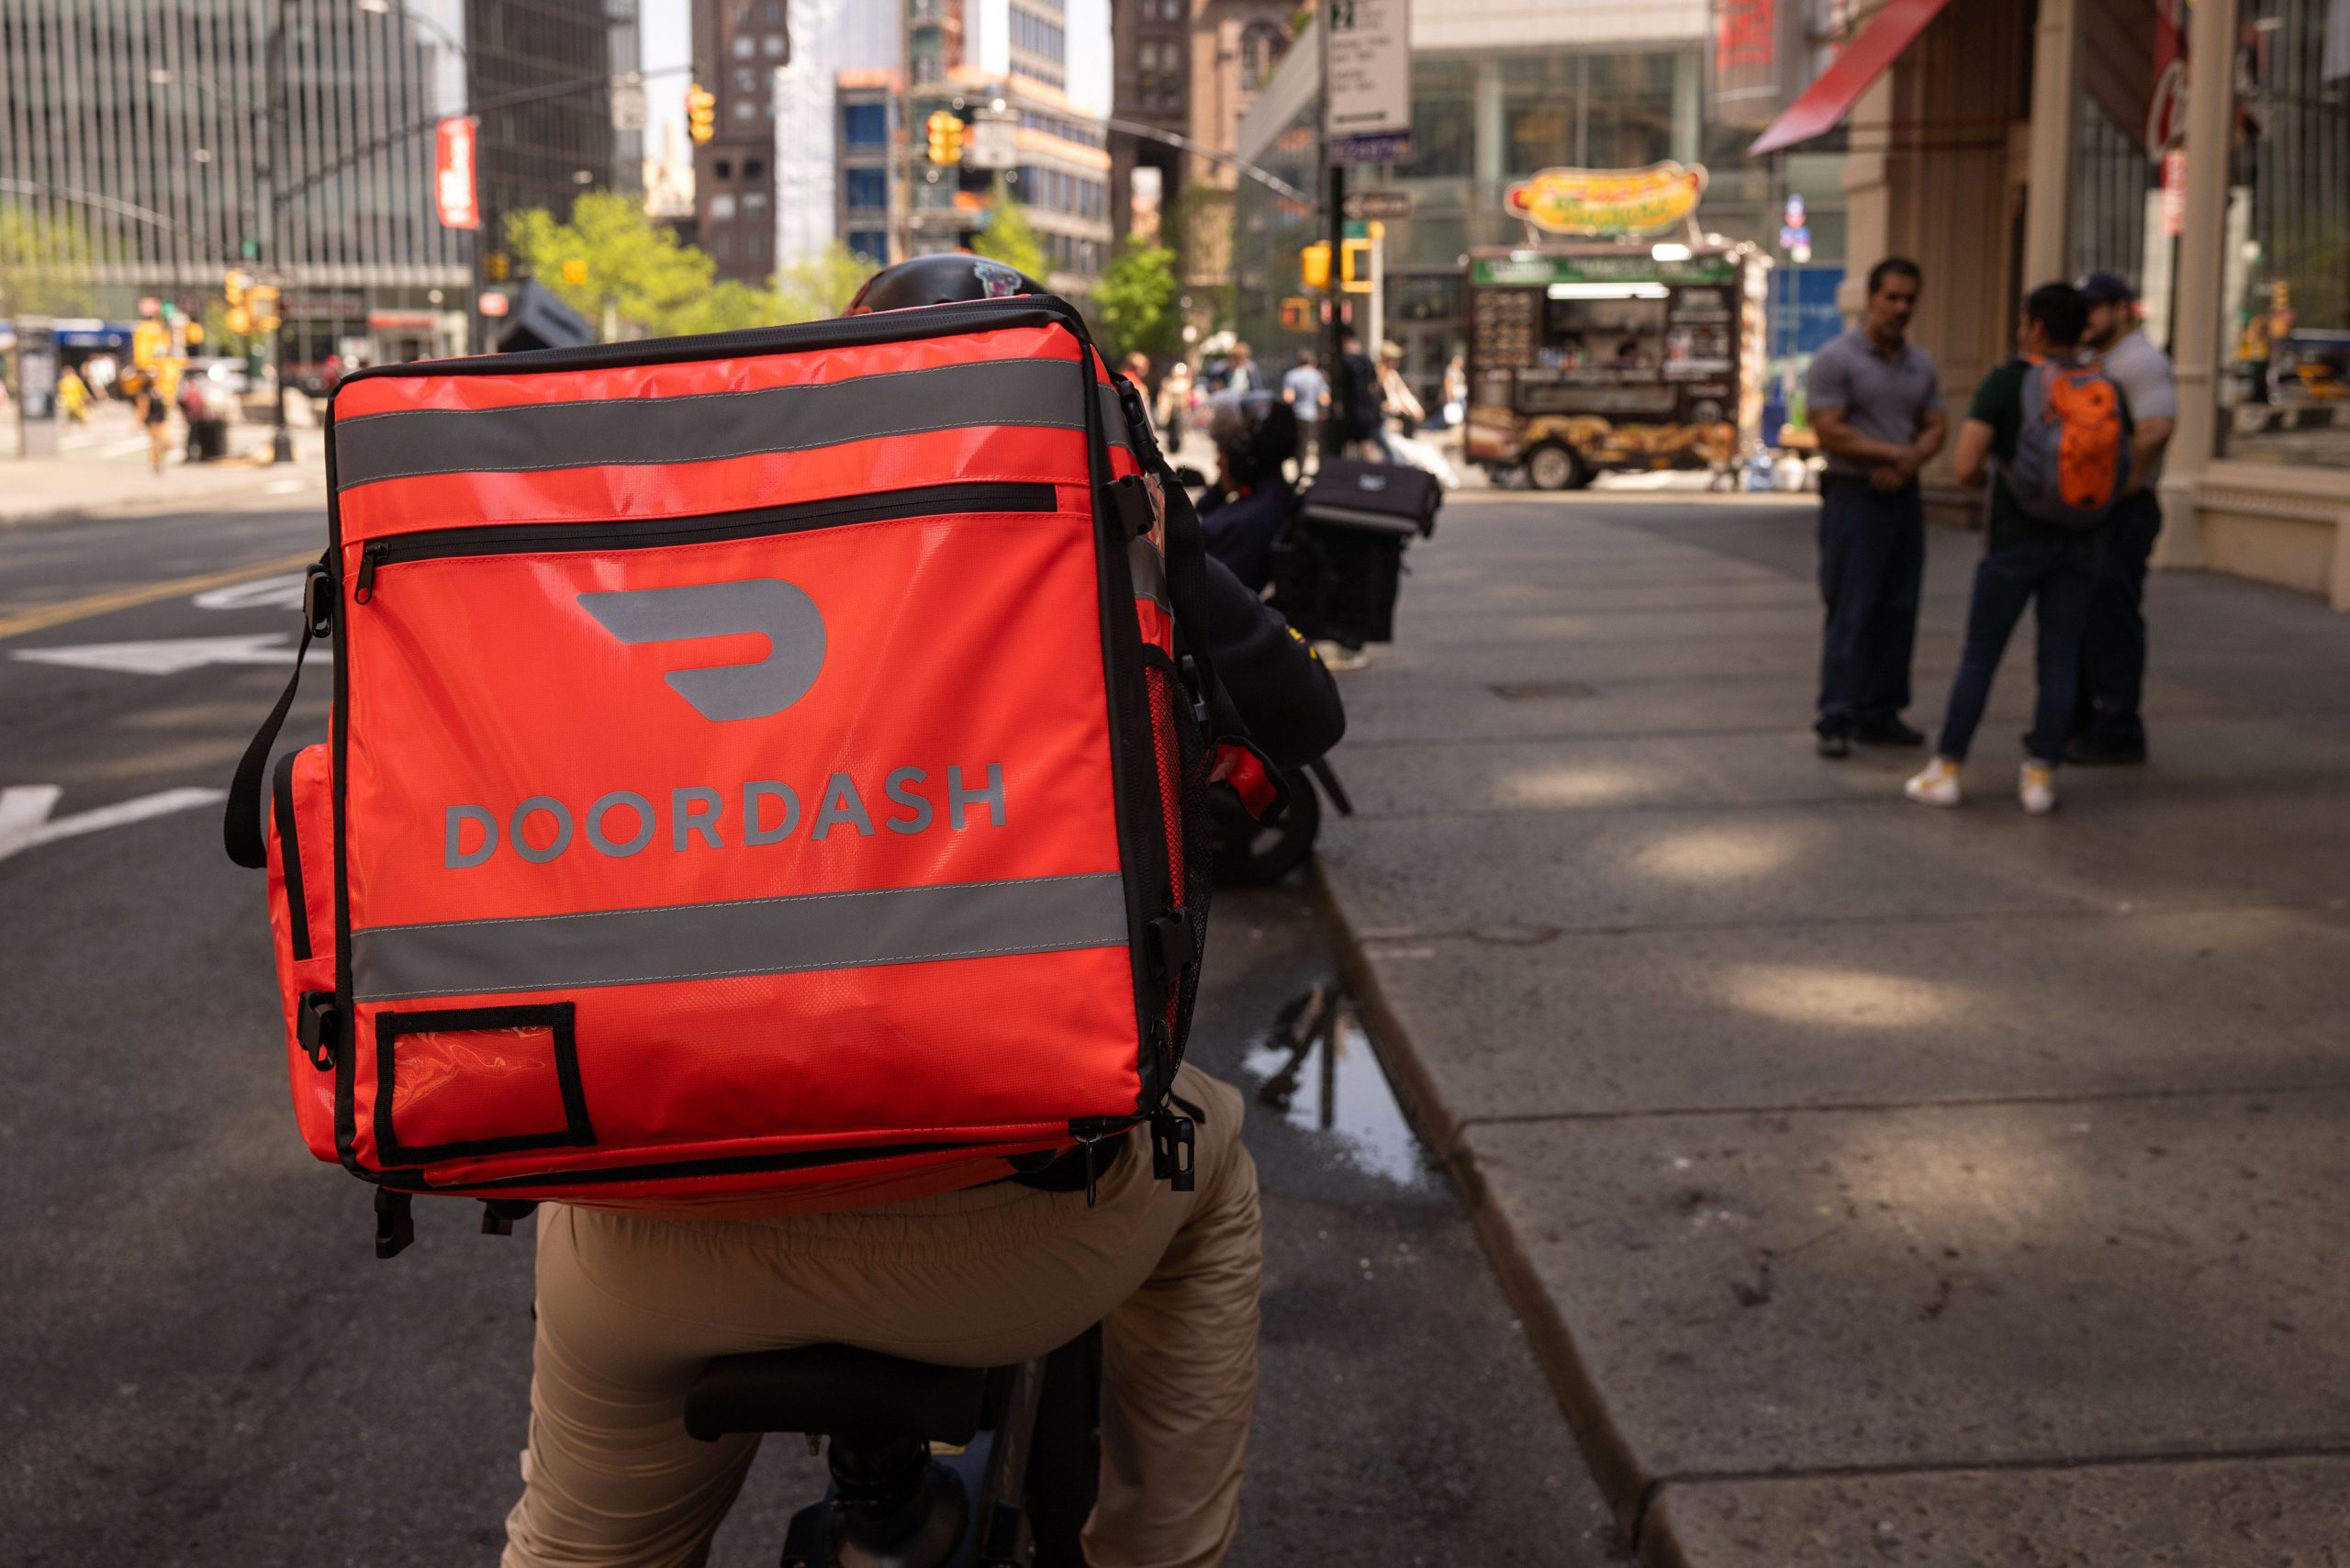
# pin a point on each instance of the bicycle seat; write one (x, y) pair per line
(840, 1390)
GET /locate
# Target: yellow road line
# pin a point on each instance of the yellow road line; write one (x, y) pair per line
(124, 599)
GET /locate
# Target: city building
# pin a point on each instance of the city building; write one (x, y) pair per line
(1040, 68)
(868, 143)
(1503, 91)
(843, 53)
(1151, 65)
(146, 130)
(2009, 143)
(738, 45)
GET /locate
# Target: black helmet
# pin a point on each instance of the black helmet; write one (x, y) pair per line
(940, 280)
(1256, 432)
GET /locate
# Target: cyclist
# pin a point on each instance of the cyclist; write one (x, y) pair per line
(1244, 512)
(631, 1302)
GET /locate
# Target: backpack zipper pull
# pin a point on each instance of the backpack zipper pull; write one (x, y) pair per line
(368, 559)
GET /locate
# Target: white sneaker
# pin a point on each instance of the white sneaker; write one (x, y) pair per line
(2036, 787)
(1937, 785)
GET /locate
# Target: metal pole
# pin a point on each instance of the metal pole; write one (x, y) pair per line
(1334, 199)
(281, 445)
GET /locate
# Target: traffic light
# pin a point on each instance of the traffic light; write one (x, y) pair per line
(1354, 265)
(234, 286)
(701, 112)
(260, 304)
(1314, 264)
(946, 137)
(497, 266)
(574, 272)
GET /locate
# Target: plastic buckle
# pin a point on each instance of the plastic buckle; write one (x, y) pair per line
(1193, 687)
(1131, 500)
(318, 600)
(498, 1215)
(394, 1226)
(318, 1028)
(1172, 948)
(1173, 1150)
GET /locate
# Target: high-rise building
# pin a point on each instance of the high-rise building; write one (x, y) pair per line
(1039, 70)
(144, 126)
(1151, 54)
(738, 46)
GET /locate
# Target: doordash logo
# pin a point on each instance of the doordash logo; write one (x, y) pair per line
(621, 822)
(780, 611)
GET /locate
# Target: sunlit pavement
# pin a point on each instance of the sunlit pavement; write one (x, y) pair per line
(1878, 1183)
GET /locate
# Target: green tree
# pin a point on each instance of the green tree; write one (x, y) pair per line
(44, 265)
(630, 277)
(1009, 237)
(821, 286)
(1135, 298)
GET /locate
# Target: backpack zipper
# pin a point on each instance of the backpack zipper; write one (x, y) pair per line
(651, 533)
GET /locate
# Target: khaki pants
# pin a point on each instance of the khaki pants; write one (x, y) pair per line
(630, 1306)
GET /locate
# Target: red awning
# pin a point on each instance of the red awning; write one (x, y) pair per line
(1832, 95)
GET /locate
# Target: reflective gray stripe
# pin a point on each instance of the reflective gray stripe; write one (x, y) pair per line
(1148, 569)
(1114, 418)
(751, 936)
(700, 427)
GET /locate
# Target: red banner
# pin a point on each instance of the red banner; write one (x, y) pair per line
(452, 174)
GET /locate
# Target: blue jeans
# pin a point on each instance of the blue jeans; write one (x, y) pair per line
(1872, 561)
(2113, 648)
(2058, 571)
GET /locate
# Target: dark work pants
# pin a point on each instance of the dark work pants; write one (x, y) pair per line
(1872, 560)
(2113, 648)
(2057, 572)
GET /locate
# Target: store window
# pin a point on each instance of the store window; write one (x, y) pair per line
(2285, 311)
(866, 188)
(1444, 121)
(865, 125)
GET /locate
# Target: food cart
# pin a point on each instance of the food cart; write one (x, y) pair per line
(1589, 357)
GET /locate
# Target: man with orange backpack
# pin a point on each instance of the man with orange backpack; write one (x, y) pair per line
(2051, 431)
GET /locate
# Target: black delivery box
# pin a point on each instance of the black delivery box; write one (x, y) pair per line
(1337, 575)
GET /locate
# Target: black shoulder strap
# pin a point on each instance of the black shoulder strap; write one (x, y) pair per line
(1187, 546)
(240, 821)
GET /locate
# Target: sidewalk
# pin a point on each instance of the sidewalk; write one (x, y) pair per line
(1878, 1184)
(101, 471)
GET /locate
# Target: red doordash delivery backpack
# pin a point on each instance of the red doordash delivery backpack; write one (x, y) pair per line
(759, 764)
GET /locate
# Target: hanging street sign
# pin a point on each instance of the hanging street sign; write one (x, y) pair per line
(453, 174)
(1366, 116)
(1609, 201)
(1378, 204)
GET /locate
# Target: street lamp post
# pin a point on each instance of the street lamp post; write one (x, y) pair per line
(271, 237)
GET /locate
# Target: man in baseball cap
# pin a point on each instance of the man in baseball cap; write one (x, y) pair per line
(2107, 726)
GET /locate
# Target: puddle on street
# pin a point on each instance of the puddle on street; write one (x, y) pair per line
(1315, 1067)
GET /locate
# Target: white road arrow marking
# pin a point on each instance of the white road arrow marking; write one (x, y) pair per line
(262, 593)
(169, 656)
(25, 820)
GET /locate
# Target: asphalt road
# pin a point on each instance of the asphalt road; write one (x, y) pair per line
(205, 1363)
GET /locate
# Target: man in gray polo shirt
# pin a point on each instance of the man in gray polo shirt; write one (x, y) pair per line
(2107, 727)
(1874, 399)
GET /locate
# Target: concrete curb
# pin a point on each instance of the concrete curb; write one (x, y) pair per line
(1627, 1489)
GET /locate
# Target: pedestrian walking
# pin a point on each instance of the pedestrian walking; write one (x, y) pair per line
(73, 397)
(2107, 727)
(1357, 404)
(154, 414)
(1173, 409)
(1403, 403)
(1307, 392)
(1244, 374)
(1876, 403)
(2052, 432)
(1455, 391)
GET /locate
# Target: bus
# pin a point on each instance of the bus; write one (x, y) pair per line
(1589, 357)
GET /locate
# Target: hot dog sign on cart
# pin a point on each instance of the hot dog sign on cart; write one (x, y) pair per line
(1613, 346)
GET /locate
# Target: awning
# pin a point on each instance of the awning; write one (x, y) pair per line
(1833, 92)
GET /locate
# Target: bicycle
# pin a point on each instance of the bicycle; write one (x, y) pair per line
(931, 1466)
